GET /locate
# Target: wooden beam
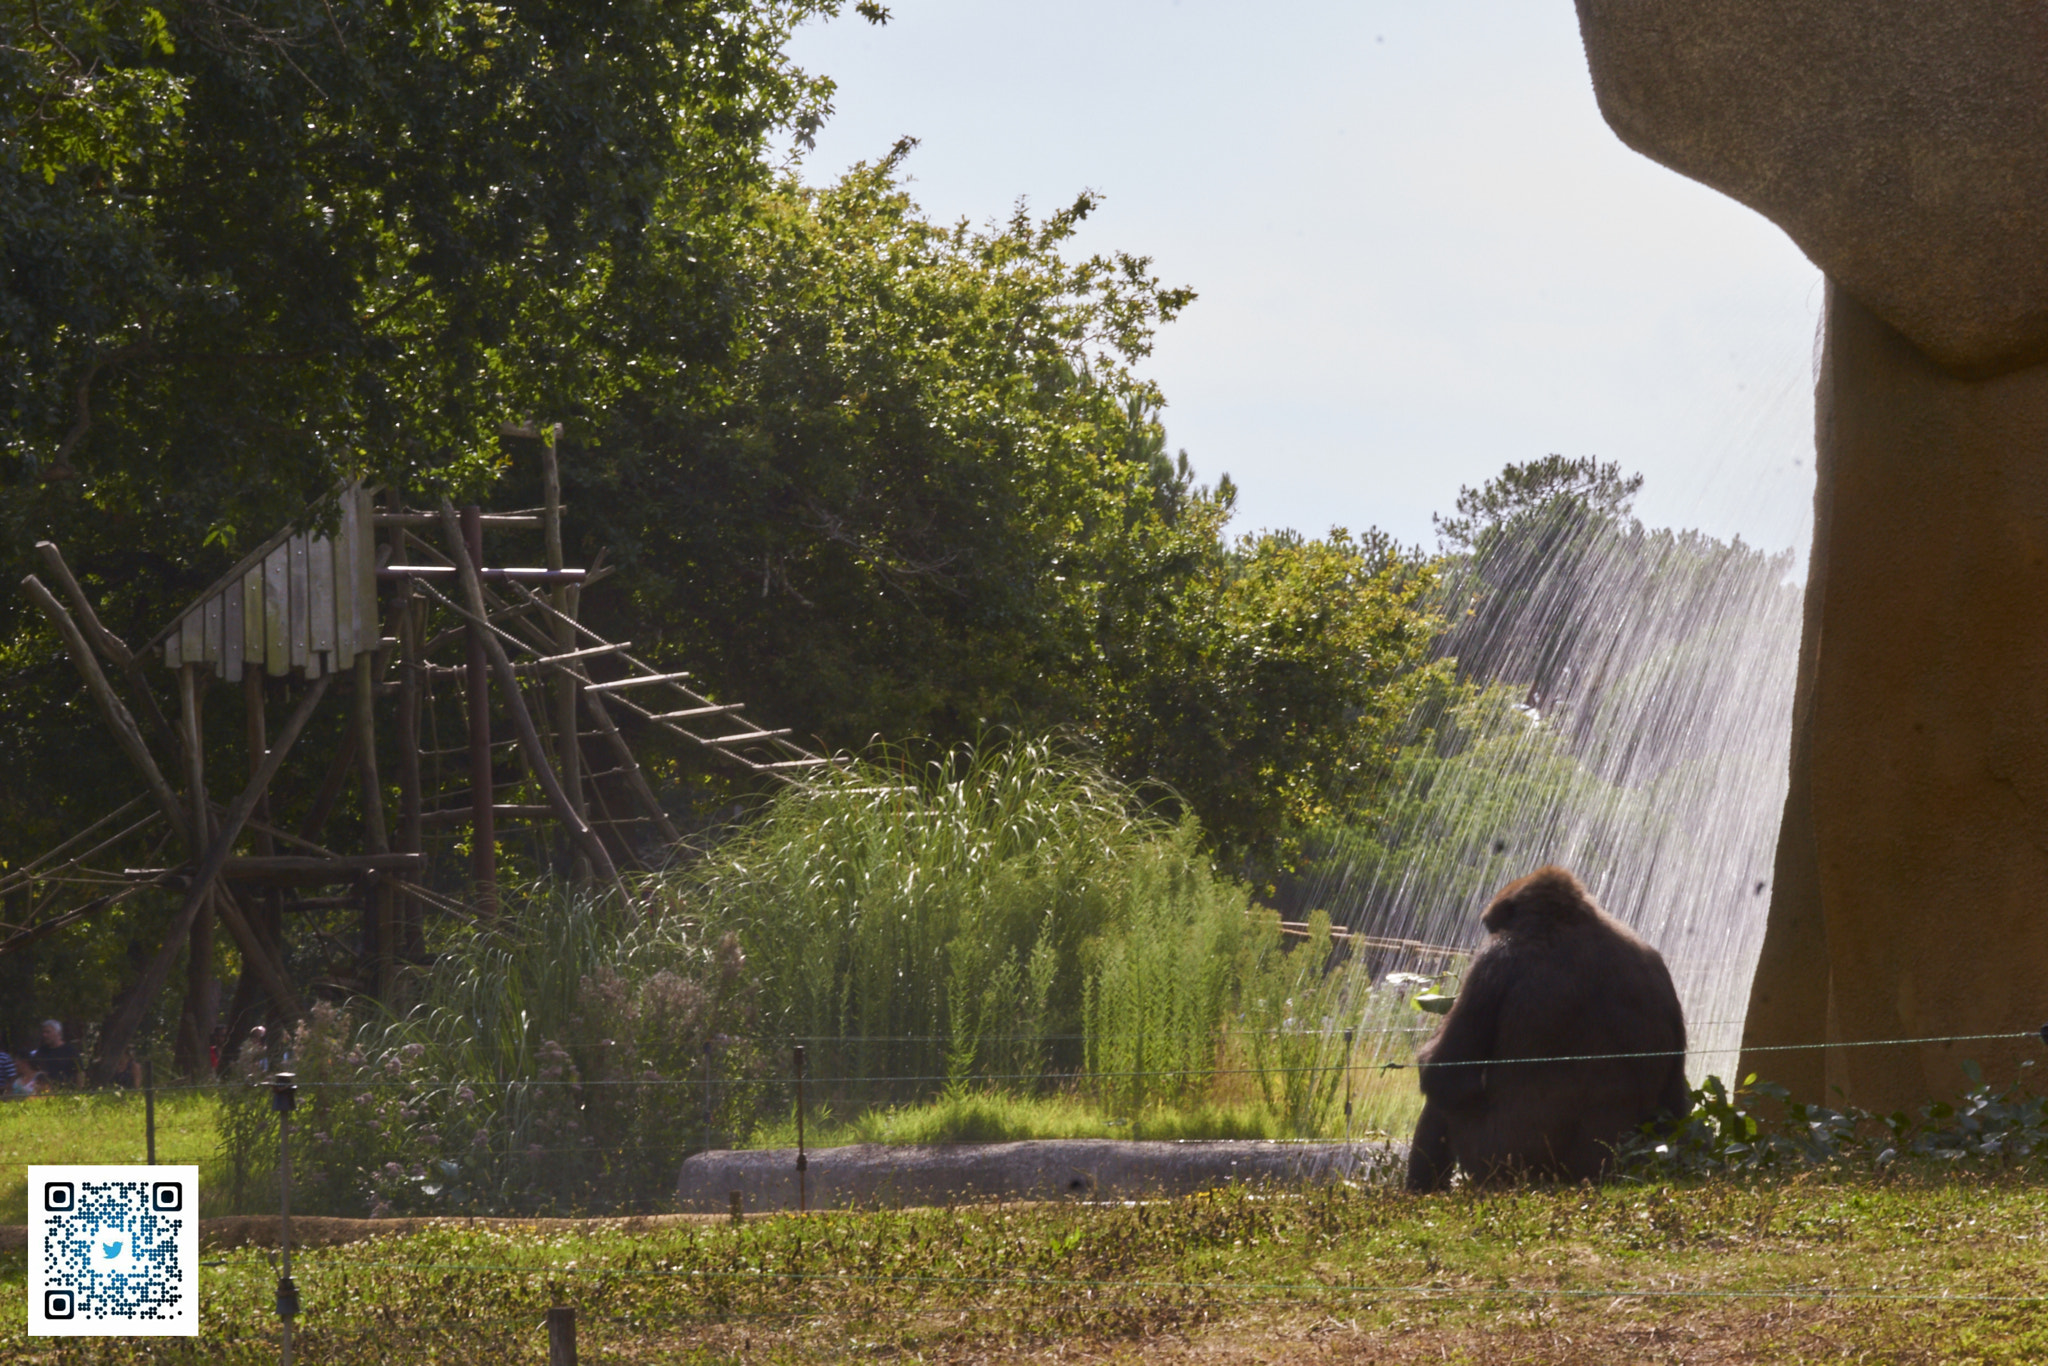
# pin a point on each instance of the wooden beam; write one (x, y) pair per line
(444, 571)
(292, 868)
(584, 838)
(257, 957)
(634, 681)
(467, 541)
(549, 661)
(499, 811)
(194, 1023)
(120, 1027)
(112, 646)
(504, 521)
(331, 786)
(622, 753)
(117, 715)
(380, 924)
(725, 710)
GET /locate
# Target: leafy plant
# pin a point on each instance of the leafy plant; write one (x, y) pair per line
(1722, 1136)
(564, 1061)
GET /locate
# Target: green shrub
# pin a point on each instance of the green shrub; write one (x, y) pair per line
(1723, 1136)
(556, 1062)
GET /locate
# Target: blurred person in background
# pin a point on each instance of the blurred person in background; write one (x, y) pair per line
(56, 1059)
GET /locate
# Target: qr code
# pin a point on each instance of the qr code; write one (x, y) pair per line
(113, 1251)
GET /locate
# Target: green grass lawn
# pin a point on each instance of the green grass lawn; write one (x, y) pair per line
(988, 1117)
(106, 1126)
(1921, 1267)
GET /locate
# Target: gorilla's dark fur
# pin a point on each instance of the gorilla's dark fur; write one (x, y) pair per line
(1557, 977)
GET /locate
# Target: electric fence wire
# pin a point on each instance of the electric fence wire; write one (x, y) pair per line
(1087, 1075)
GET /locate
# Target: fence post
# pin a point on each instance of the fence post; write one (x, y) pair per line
(707, 1095)
(283, 1097)
(562, 1335)
(149, 1110)
(803, 1201)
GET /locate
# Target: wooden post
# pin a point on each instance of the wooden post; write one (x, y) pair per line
(483, 854)
(568, 749)
(265, 912)
(117, 715)
(562, 1335)
(580, 833)
(379, 929)
(258, 740)
(267, 915)
(194, 1024)
(120, 1026)
(331, 787)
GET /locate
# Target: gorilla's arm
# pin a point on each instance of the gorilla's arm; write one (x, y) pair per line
(1429, 1152)
(1467, 1036)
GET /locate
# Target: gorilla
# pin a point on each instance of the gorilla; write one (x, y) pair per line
(1557, 977)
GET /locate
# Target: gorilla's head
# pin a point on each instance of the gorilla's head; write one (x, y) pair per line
(1548, 894)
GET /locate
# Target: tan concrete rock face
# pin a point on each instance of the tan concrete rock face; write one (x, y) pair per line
(1904, 146)
(1926, 724)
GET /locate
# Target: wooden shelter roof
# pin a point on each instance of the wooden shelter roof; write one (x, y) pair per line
(300, 603)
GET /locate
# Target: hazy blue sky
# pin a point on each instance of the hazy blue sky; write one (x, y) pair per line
(1419, 250)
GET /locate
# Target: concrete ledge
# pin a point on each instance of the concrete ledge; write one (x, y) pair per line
(881, 1175)
(892, 1176)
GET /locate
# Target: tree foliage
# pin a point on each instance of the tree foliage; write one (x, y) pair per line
(252, 246)
(867, 472)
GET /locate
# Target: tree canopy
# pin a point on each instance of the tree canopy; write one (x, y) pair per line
(251, 247)
(871, 473)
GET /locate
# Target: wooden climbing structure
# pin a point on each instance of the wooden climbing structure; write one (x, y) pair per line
(483, 715)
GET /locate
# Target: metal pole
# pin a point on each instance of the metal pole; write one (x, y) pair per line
(1347, 1086)
(707, 1095)
(149, 1109)
(407, 620)
(803, 1162)
(483, 852)
(283, 1097)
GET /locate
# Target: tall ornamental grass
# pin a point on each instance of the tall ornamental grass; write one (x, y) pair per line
(991, 920)
(1008, 923)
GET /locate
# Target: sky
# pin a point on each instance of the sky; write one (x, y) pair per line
(1420, 253)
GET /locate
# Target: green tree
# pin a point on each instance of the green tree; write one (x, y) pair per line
(871, 516)
(328, 237)
(1265, 681)
(250, 246)
(927, 493)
